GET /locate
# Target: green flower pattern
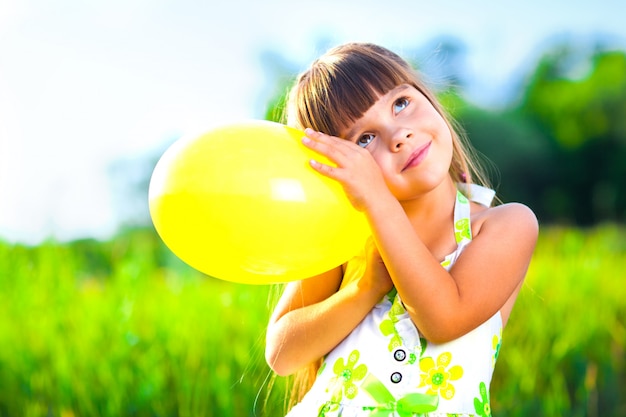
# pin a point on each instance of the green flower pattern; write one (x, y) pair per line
(462, 230)
(424, 344)
(346, 374)
(496, 343)
(481, 405)
(388, 326)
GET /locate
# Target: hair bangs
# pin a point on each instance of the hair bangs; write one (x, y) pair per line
(338, 90)
(355, 87)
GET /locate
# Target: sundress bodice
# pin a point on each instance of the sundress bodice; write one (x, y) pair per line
(386, 368)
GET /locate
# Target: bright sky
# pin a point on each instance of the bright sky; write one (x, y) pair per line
(86, 83)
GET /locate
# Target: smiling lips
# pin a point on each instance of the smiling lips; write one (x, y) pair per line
(417, 156)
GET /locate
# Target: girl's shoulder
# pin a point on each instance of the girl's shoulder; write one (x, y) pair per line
(513, 218)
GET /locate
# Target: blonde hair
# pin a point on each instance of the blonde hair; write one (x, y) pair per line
(336, 91)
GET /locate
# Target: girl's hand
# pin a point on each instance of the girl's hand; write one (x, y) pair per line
(356, 169)
(314, 315)
(376, 276)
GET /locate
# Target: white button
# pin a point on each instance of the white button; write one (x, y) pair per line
(399, 355)
(396, 377)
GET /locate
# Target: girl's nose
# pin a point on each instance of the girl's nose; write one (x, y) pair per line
(399, 139)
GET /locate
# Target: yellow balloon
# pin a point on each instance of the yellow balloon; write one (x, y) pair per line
(241, 203)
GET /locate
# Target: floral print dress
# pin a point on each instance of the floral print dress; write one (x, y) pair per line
(384, 367)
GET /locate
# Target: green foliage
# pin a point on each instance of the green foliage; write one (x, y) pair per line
(582, 116)
(577, 109)
(122, 328)
(564, 348)
(561, 150)
(516, 155)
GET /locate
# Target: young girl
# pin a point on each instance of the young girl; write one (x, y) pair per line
(413, 325)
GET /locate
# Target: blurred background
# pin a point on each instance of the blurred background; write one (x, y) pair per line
(97, 317)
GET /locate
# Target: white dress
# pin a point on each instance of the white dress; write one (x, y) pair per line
(384, 367)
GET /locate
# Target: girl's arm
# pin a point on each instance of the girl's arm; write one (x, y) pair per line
(313, 315)
(443, 305)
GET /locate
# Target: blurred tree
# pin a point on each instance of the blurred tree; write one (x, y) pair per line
(517, 155)
(584, 115)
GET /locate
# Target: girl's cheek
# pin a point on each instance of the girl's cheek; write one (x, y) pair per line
(373, 148)
(382, 164)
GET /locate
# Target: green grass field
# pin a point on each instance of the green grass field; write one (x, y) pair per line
(123, 328)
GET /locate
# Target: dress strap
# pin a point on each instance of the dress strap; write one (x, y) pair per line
(477, 193)
(462, 225)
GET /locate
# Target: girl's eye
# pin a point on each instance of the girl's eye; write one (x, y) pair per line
(400, 104)
(365, 140)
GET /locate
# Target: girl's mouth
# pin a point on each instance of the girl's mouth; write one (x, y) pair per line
(417, 156)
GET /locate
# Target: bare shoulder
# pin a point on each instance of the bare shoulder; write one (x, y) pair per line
(513, 218)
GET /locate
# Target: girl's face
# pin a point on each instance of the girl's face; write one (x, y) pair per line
(409, 140)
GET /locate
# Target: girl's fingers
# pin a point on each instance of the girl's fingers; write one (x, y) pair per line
(324, 169)
(352, 166)
(331, 147)
(329, 151)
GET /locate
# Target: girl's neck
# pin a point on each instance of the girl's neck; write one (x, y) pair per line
(432, 213)
(432, 204)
